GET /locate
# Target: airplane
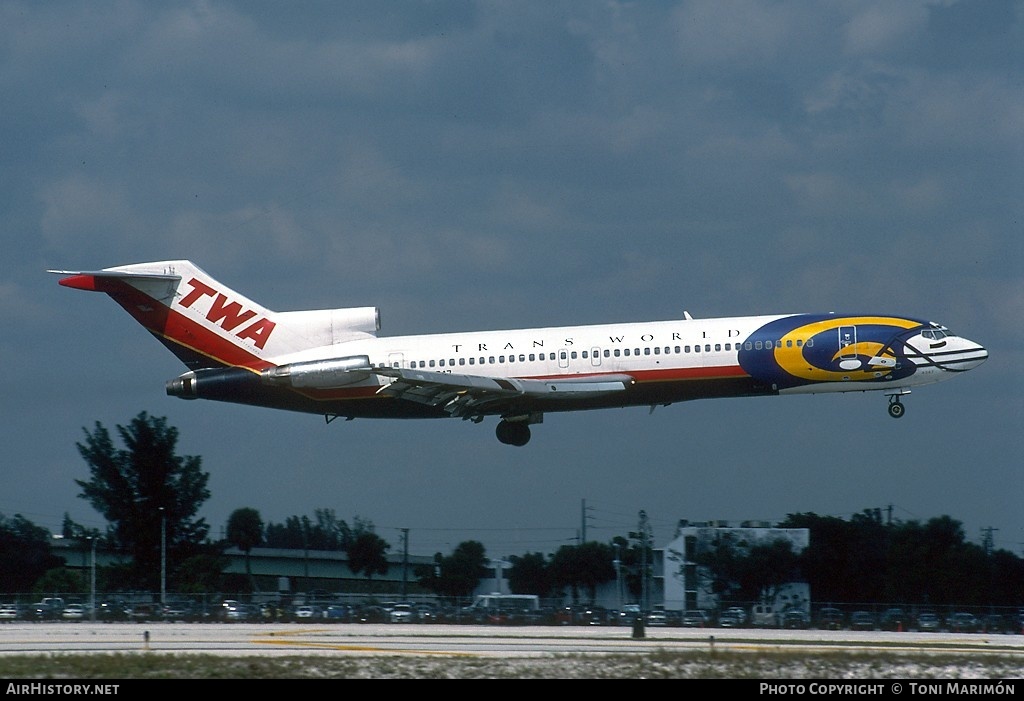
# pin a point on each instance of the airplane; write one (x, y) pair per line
(332, 362)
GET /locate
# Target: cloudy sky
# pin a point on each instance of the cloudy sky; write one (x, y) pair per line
(485, 165)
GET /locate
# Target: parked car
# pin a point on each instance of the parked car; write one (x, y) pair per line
(732, 617)
(110, 611)
(963, 622)
(427, 613)
(657, 617)
(142, 612)
(176, 611)
(928, 622)
(628, 615)
(11, 612)
(370, 614)
(306, 612)
(402, 613)
(593, 616)
(74, 612)
(695, 618)
(795, 618)
(894, 619)
(862, 620)
(994, 623)
(47, 609)
(830, 618)
(338, 613)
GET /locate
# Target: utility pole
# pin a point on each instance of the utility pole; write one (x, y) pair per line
(642, 530)
(405, 559)
(987, 541)
(163, 556)
(583, 521)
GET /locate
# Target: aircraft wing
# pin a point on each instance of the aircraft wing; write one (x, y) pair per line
(468, 396)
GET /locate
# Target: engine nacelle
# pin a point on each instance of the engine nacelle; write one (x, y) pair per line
(226, 384)
(320, 374)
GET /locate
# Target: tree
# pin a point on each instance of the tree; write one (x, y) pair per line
(25, 554)
(146, 492)
(322, 532)
(455, 576)
(245, 531)
(530, 574)
(583, 567)
(366, 554)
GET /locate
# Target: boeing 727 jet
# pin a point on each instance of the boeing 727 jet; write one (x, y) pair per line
(332, 362)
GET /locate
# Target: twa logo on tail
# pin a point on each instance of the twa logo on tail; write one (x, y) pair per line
(229, 315)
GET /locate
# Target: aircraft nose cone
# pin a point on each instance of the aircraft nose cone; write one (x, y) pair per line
(973, 355)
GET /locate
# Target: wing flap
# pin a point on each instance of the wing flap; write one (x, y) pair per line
(474, 395)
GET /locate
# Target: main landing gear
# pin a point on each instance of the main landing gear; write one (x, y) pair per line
(513, 432)
(896, 407)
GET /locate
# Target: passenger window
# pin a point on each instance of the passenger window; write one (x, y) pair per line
(617, 352)
(718, 346)
(431, 363)
(746, 345)
(657, 350)
(768, 345)
(607, 353)
(757, 345)
(707, 347)
(472, 361)
(573, 355)
(625, 351)
(686, 349)
(647, 351)
(462, 361)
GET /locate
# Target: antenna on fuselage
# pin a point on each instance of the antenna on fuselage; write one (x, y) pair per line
(686, 315)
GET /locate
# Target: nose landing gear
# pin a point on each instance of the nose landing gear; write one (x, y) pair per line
(896, 408)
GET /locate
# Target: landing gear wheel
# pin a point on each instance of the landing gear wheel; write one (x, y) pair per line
(896, 408)
(513, 432)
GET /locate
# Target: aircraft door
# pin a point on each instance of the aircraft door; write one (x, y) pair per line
(563, 358)
(396, 360)
(848, 348)
(595, 357)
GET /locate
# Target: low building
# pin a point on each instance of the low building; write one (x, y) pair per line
(685, 584)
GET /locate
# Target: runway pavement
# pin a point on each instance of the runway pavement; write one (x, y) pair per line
(240, 639)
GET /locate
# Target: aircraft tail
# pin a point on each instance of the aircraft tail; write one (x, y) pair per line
(206, 324)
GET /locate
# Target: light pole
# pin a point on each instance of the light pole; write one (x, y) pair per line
(163, 555)
(92, 582)
(618, 575)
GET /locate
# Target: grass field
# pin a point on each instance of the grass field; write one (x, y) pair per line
(651, 665)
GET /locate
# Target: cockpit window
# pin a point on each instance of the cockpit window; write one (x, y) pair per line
(936, 334)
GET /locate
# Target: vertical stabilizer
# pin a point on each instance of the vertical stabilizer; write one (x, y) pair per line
(207, 324)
